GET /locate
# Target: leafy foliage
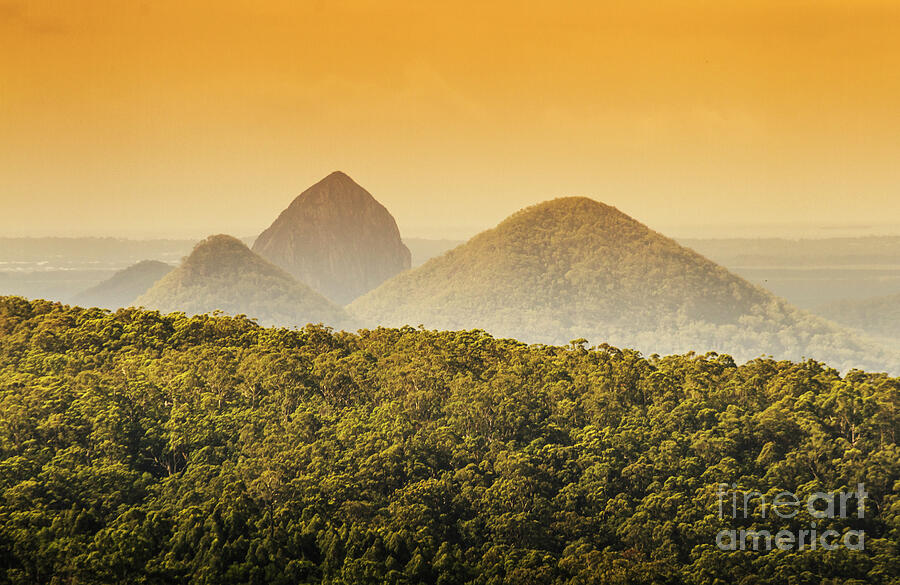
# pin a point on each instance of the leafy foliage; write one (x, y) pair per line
(142, 448)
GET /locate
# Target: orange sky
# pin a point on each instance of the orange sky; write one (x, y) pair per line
(172, 117)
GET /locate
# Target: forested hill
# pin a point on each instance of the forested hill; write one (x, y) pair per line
(576, 268)
(141, 448)
(223, 274)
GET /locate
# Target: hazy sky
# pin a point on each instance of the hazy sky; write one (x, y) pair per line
(188, 117)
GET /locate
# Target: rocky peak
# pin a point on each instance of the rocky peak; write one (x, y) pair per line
(336, 238)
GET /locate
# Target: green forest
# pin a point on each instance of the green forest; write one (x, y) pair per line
(143, 448)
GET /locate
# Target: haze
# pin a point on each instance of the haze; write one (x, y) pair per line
(160, 118)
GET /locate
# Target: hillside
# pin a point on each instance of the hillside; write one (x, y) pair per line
(222, 274)
(140, 448)
(576, 268)
(336, 238)
(878, 316)
(124, 286)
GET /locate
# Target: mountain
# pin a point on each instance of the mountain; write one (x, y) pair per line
(336, 238)
(877, 316)
(122, 287)
(576, 268)
(223, 274)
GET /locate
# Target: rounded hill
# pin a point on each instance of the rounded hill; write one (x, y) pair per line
(576, 268)
(222, 274)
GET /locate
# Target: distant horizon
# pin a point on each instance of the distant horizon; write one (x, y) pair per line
(737, 230)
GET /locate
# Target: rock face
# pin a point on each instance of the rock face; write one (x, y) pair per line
(222, 274)
(575, 268)
(336, 238)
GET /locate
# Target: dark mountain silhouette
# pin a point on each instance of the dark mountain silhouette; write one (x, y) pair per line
(336, 238)
(121, 288)
(575, 268)
(222, 274)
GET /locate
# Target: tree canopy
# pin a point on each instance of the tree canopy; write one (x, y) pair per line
(146, 448)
